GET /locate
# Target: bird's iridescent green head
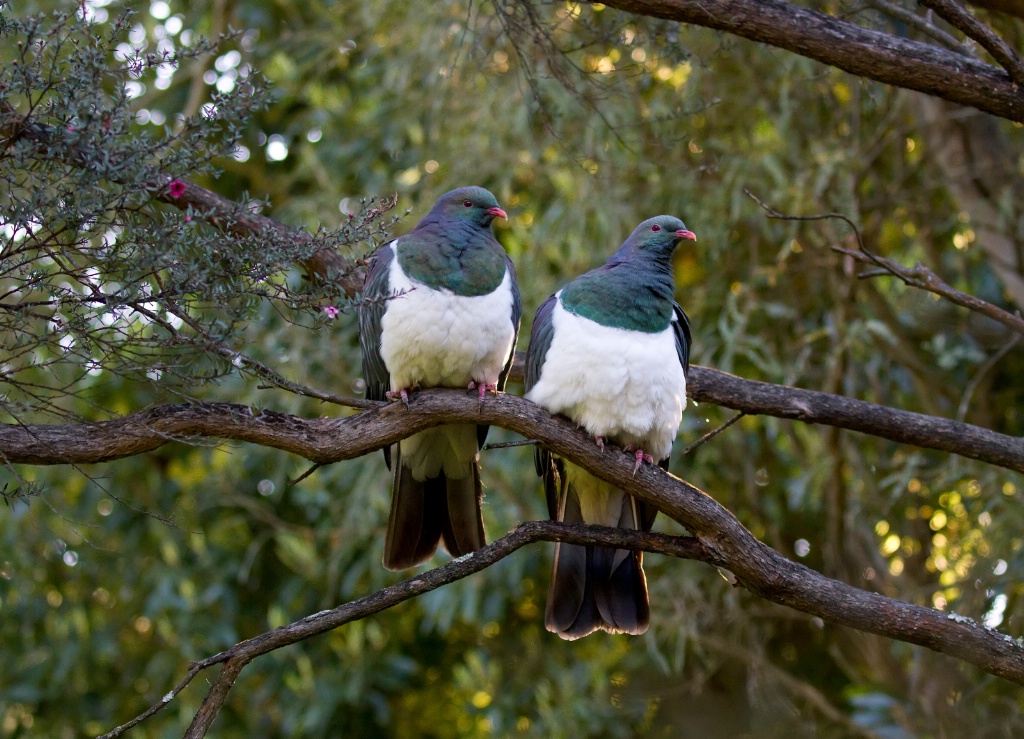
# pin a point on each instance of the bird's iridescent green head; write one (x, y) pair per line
(658, 236)
(474, 204)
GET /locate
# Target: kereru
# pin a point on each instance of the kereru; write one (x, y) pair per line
(440, 308)
(611, 351)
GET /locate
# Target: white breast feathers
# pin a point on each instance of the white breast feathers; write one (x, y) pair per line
(626, 386)
(435, 338)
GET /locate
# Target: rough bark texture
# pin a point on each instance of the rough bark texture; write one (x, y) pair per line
(852, 48)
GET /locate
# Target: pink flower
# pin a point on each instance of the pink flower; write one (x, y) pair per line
(188, 219)
(331, 311)
(176, 188)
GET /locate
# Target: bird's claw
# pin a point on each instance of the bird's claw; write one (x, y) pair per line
(599, 440)
(641, 457)
(401, 394)
(483, 387)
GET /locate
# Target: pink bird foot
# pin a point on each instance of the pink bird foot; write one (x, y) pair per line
(402, 394)
(599, 440)
(641, 457)
(483, 387)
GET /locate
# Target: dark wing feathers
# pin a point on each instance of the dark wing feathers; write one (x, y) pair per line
(681, 329)
(540, 341)
(375, 291)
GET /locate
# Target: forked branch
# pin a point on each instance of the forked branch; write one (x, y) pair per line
(718, 538)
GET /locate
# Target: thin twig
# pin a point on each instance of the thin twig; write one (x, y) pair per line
(712, 434)
(921, 24)
(193, 669)
(509, 444)
(304, 475)
(868, 273)
(918, 276)
(238, 359)
(346, 401)
(965, 401)
(772, 213)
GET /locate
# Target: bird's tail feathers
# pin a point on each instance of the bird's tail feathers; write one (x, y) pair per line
(595, 587)
(462, 526)
(425, 513)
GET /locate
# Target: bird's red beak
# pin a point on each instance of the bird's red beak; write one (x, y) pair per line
(688, 235)
(498, 212)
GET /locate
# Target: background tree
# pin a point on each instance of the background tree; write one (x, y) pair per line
(583, 120)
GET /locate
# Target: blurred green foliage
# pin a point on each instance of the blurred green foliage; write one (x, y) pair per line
(114, 576)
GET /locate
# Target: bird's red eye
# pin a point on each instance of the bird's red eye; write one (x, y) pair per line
(655, 227)
(468, 203)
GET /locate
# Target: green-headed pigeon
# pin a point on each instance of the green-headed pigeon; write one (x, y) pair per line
(440, 308)
(611, 351)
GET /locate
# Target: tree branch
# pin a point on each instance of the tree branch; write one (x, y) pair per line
(956, 635)
(878, 56)
(919, 276)
(811, 406)
(725, 541)
(241, 654)
(220, 212)
(328, 440)
(922, 277)
(960, 18)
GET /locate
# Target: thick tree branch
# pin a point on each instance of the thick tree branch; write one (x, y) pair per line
(878, 56)
(811, 406)
(327, 440)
